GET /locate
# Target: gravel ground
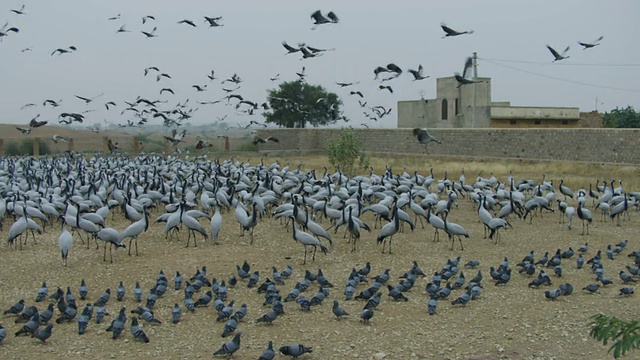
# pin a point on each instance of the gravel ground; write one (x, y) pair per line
(507, 322)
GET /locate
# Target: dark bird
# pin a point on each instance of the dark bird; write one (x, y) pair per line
(146, 70)
(267, 354)
(167, 90)
(4, 31)
(230, 347)
(122, 29)
(290, 49)
(450, 32)
(213, 21)
(87, 100)
(137, 331)
(356, 93)
(188, 22)
(424, 137)
(15, 309)
(591, 288)
(24, 131)
(61, 51)
(150, 34)
(383, 87)
(116, 17)
(43, 334)
(147, 17)
(34, 123)
(418, 74)
(589, 45)
(109, 103)
(295, 350)
(18, 11)
(258, 140)
(366, 315)
(319, 19)
(465, 79)
(558, 56)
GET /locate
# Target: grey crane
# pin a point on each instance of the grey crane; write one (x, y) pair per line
(388, 230)
(556, 55)
(307, 239)
(425, 138)
(453, 229)
(135, 229)
(589, 45)
(65, 241)
(450, 32)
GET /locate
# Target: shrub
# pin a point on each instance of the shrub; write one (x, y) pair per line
(25, 147)
(346, 150)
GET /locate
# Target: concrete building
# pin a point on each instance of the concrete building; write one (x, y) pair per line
(454, 107)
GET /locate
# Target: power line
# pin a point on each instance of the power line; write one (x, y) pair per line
(560, 79)
(560, 63)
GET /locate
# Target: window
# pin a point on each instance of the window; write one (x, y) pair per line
(457, 109)
(445, 110)
(537, 122)
(565, 122)
(512, 122)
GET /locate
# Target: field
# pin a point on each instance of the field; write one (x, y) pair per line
(507, 322)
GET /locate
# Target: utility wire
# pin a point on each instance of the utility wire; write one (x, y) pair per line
(561, 63)
(560, 79)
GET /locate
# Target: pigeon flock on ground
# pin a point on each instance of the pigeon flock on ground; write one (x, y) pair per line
(77, 198)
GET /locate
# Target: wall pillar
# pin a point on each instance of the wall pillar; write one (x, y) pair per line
(136, 145)
(167, 147)
(105, 145)
(70, 145)
(36, 147)
(227, 146)
(1, 146)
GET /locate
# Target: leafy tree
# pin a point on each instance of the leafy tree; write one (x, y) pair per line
(25, 147)
(621, 118)
(296, 104)
(345, 150)
(624, 335)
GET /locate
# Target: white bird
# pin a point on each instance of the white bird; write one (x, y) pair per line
(453, 229)
(65, 241)
(216, 224)
(135, 229)
(307, 239)
(388, 230)
(111, 236)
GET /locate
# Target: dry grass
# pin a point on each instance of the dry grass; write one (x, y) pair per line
(510, 322)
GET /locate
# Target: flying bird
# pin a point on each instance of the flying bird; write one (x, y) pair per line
(258, 140)
(213, 21)
(167, 90)
(212, 76)
(87, 100)
(275, 77)
(464, 79)
(418, 74)
(147, 17)
(122, 29)
(59, 139)
(290, 49)
(356, 93)
(382, 87)
(19, 11)
(109, 103)
(424, 137)
(199, 88)
(24, 131)
(114, 17)
(589, 45)
(4, 31)
(150, 34)
(319, 19)
(450, 32)
(188, 22)
(558, 56)
(61, 51)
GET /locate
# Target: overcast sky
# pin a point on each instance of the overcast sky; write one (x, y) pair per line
(370, 33)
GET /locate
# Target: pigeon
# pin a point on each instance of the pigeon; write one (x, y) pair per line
(148, 317)
(226, 312)
(101, 311)
(84, 318)
(295, 350)
(338, 310)
(552, 294)
(120, 291)
(286, 272)
(241, 312)
(176, 313)
(463, 299)
(626, 278)
(366, 315)
(137, 292)
(43, 334)
(580, 261)
(605, 281)
(229, 347)
(268, 317)
(396, 294)
(46, 315)
(15, 309)
(592, 288)
(26, 314)
(230, 326)
(83, 290)
(566, 289)
(627, 290)
(584, 248)
(322, 280)
(3, 334)
(292, 295)
(69, 314)
(189, 303)
(472, 264)
(137, 331)
(205, 299)
(117, 325)
(365, 270)
(42, 292)
(304, 303)
(30, 327)
(432, 304)
(70, 299)
(383, 278)
(267, 354)
(277, 278)
(253, 279)
(103, 299)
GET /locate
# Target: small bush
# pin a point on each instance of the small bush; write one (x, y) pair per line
(346, 150)
(25, 147)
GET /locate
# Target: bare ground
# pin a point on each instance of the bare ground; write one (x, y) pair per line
(507, 322)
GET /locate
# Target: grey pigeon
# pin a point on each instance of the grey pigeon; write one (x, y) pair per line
(69, 314)
(84, 318)
(226, 312)
(15, 309)
(117, 325)
(286, 272)
(580, 261)
(103, 299)
(566, 289)
(584, 248)
(26, 314)
(319, 297)
(268, 317)
(70, 299)
(42, 292)
(322, 280)
(460, 281)
(592, 288)
(373, 301)
(241, 273)
(627, 290)
(3, 334)
(137, 292)
(605, 281)
(253, 279)
(176, 313)
(151, 300)
(101, 311)
(463, 299)
(432, 304)
(396, 294)
(189, 303)
(241, 312)
(233, 281)
(293, 294)
(557, 270)
(295, 350)
(338, 310)
(365, 270)
(552, 294)
(267, 354)
(635, 271)
(148, 317)
(30, 327)
(137, 331)
(277, 278)
(204, 299)
(177, 281)
(349, 291)
(230, 347)
(626, 278)
(383, 278)
(472, 264)
(57, 295)
(188, 289)
(230, 326)
(43, 334)
(366, 315)
(83, 290)
(120, 291)
(304, 303)
(46, 315)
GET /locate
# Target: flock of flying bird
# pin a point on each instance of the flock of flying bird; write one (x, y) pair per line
(141, 110)
(81, 193)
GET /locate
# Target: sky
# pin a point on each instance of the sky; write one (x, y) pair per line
(509, 38)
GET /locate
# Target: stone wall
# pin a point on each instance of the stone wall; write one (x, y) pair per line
(577, 144)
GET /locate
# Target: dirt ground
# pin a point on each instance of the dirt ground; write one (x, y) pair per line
(507, 322)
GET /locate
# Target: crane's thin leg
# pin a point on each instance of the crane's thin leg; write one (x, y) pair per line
(136, 246)
(104, 256)
(130, 240)
(391, 238)
(460, 239)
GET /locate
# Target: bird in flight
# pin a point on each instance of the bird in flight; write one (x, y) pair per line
(558, 56)
(146, 70)
(418, 74)
(213, 21)
(24, 131)
(199, 88)
(450, 32)
(19, 11)
(114, 17)
(188, 22)
(356, 93)
(61, 51)
(122, 29)
(4, 31)
(88, 100)
(212, 76)
(424, 137)
(589, 45)
(345, 84)
(319, 19)
(147, 17)
(258, 140)
(382, 87)
(34, 123)
(464, 79)
(167, 90)
(59, 139)
(275, 77)
(150, 34)
(290, 49)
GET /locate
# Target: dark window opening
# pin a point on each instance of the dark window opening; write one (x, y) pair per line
(565, 122)
(456, 107)
(445, 110)
(537, 122)
(512, 122)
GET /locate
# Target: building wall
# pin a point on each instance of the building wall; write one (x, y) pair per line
(576, 144)
(591, 119)
(527, 112)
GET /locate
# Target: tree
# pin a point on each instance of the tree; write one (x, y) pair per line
(297, 103)
(621, 118)
(345, 150)
(624, 335)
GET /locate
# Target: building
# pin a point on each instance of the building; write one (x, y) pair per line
(454, 107)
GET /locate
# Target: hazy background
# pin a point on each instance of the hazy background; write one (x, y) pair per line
(370, 33)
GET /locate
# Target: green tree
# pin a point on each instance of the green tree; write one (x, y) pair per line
(345, 150)
(296, 104)
(25, 147)
(621, 118)
(625, 336)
